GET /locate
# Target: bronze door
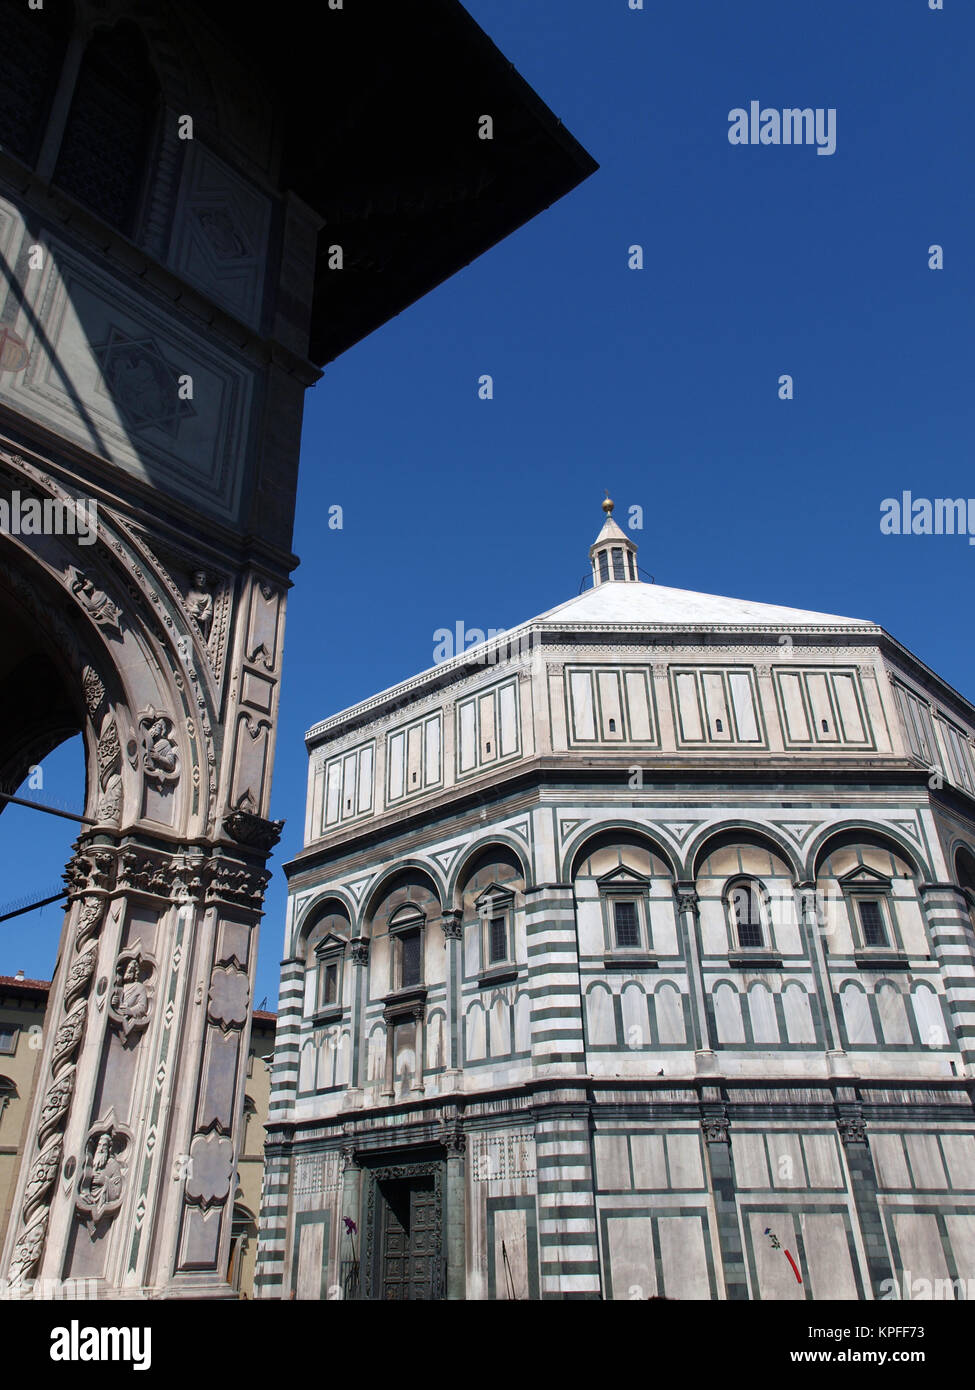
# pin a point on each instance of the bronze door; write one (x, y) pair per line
(410, 1239)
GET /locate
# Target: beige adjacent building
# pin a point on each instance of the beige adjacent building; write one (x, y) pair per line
(250, 1165)
(22, 1006)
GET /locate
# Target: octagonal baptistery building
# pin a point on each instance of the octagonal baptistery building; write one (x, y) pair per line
(631, 954)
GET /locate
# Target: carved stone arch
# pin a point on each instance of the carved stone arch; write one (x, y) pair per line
(723, 833)
(962, 860)
(479, 850)
(315, 910)
(385, 882)
(57, 678)
(582, 843)
(93, 605)
(846, 832)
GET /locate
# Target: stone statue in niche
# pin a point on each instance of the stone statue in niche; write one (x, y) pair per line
(102, 1177)
(131, 998)
(199, 602)
(160, 757)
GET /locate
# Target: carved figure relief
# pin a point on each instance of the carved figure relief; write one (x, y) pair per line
(226, 241)
(102, 1176)
(95, 602)
(141, 383)
(160, 757)
(199, 603)
(130, 1002)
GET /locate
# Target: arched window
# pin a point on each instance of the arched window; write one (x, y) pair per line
(325, 942)
(105, 152)
(744, 898)
(32, 48)
(965, 874)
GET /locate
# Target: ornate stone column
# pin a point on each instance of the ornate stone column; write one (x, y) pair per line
(351, 1211)
(359, 952)
(717, 1143)
(453, 940)
(837, 1059)
(455, 1142)
(863, 1185)
(687, 916)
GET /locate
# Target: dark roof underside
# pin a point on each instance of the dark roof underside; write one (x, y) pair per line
(382, 101)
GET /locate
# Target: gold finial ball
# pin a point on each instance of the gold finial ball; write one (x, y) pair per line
(608, 505)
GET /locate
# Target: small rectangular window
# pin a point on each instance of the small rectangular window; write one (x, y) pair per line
(499, 939)
(618, 563)
(330, 985)
(627, 928)
(410, 943)
(872, 922)
(603, 565)
(748, 916)
(8, 1038)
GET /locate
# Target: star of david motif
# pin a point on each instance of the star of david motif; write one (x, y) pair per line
(142, 383)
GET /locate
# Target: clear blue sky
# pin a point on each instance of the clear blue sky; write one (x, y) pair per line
(659, 384)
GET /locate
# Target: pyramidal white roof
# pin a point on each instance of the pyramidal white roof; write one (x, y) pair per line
(656, 603)
(619, 597)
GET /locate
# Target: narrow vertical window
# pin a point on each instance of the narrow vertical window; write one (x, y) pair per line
(748, 916)
(498, 939)
(632, 564)
(627, 927)
(410, 949)
(603, 566)
(330, 984)
(871, 922)
(618, 563)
